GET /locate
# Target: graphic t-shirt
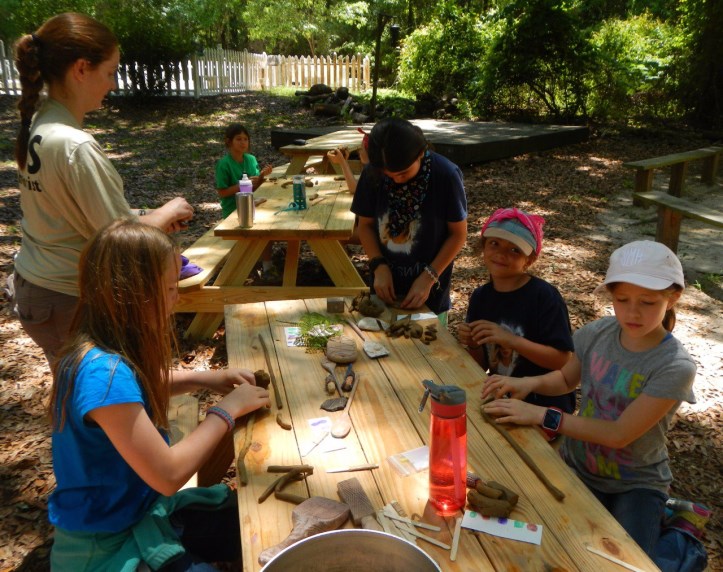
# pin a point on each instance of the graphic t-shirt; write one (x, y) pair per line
(536, 312)
(611, 379)
(68, 190)
(408, 252)
(230, 172)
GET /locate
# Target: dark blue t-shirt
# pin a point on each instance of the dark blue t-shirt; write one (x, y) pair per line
(537, 312)
(407, 254)
(97, 491)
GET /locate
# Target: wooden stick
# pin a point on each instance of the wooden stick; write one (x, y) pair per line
(613, 559)
(557, 493)
(417, 523)
(243, 476)
(455, 538)
(277, 395)
(429, 539)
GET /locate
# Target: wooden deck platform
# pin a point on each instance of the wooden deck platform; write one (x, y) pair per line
(466, 142)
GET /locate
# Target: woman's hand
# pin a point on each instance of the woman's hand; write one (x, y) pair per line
(171, 217)
(418, 293)
(266, 171)
(244, 399)
(384, 284)
(515, 411)
(499, 386)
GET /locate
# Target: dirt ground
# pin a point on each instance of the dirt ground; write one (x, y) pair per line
(168, 147)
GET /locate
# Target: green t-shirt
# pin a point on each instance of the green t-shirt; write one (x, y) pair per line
(230, 172)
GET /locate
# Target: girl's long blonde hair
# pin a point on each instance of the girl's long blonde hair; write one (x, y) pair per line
(122, 310)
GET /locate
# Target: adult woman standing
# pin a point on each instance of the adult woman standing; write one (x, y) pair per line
(412, 217)
(69, 188)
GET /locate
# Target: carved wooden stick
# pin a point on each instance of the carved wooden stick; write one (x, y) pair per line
(557, 493)
(283, 423)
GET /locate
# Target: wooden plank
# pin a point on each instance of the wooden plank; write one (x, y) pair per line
(682, 206)
(677, 179)
(212, 299)
(291, 263)
(271, 444)
(710, 169)
(182, 420)
(667, 160)
(209, 252)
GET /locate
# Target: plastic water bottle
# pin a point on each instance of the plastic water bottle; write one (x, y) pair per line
(245, 202)
(299, 186)
(447, 447)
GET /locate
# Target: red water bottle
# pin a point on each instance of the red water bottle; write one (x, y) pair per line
(447, 446)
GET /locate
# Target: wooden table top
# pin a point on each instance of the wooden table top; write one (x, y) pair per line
(320, 145)
(326, 217)
(386, 422)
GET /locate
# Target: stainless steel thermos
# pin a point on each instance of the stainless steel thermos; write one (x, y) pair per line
(245, 202)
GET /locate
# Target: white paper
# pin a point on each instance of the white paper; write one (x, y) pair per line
(410, 462)
(421, 316)
(503, 527)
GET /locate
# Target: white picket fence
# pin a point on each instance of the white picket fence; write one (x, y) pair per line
(218, 71)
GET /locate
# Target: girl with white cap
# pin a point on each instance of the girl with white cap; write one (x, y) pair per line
(633, 375)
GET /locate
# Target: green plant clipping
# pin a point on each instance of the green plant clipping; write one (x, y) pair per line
(315, 329)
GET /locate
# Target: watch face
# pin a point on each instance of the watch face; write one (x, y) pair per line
(552, 419)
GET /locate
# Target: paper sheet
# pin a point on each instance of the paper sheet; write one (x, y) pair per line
(503, 527)
(410, 462)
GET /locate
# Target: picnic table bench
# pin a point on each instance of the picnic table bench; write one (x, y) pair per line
(678, 163)
(672, 208)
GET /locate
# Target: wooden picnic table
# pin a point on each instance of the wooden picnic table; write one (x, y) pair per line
(320, 146)
(323, 225)
(386, 422)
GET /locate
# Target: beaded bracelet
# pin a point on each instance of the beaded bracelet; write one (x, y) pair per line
(223, 414)
(432, 272)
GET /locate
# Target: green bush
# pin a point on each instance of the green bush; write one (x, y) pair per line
(443, 56)
(631, 78)
(537, 63)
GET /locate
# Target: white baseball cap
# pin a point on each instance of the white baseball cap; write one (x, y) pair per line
(644, 263)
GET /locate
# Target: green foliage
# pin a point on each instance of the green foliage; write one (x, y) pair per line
(23, 17)
(444, 55)
(698, 69)
(632, 75)
(540, 62)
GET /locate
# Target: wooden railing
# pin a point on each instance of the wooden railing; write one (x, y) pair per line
(218, 71)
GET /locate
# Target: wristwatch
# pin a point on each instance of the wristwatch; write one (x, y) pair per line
(552, 421)
(375, 262)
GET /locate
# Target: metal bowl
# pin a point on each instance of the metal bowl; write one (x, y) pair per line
(352, 550)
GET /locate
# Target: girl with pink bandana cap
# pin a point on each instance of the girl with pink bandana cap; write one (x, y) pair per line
(517, 324)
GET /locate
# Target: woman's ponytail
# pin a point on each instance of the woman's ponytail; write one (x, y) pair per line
(28, 51)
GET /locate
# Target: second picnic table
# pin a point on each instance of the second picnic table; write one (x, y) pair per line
(320, 146)
(325, 222)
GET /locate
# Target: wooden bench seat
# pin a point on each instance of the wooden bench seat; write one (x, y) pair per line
(183, 418)
(678, 162)
(209, 252)
(671, 211)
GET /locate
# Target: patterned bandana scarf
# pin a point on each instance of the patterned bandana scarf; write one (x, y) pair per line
(405, 199)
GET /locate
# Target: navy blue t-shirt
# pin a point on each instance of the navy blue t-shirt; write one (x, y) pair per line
(537, 312)
(407, 254)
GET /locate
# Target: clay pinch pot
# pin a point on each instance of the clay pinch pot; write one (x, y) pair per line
(341, 349)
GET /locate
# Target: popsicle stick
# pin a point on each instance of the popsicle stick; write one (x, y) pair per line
(416, 523)
(429, 539)
(455, 538)
(613, 559)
